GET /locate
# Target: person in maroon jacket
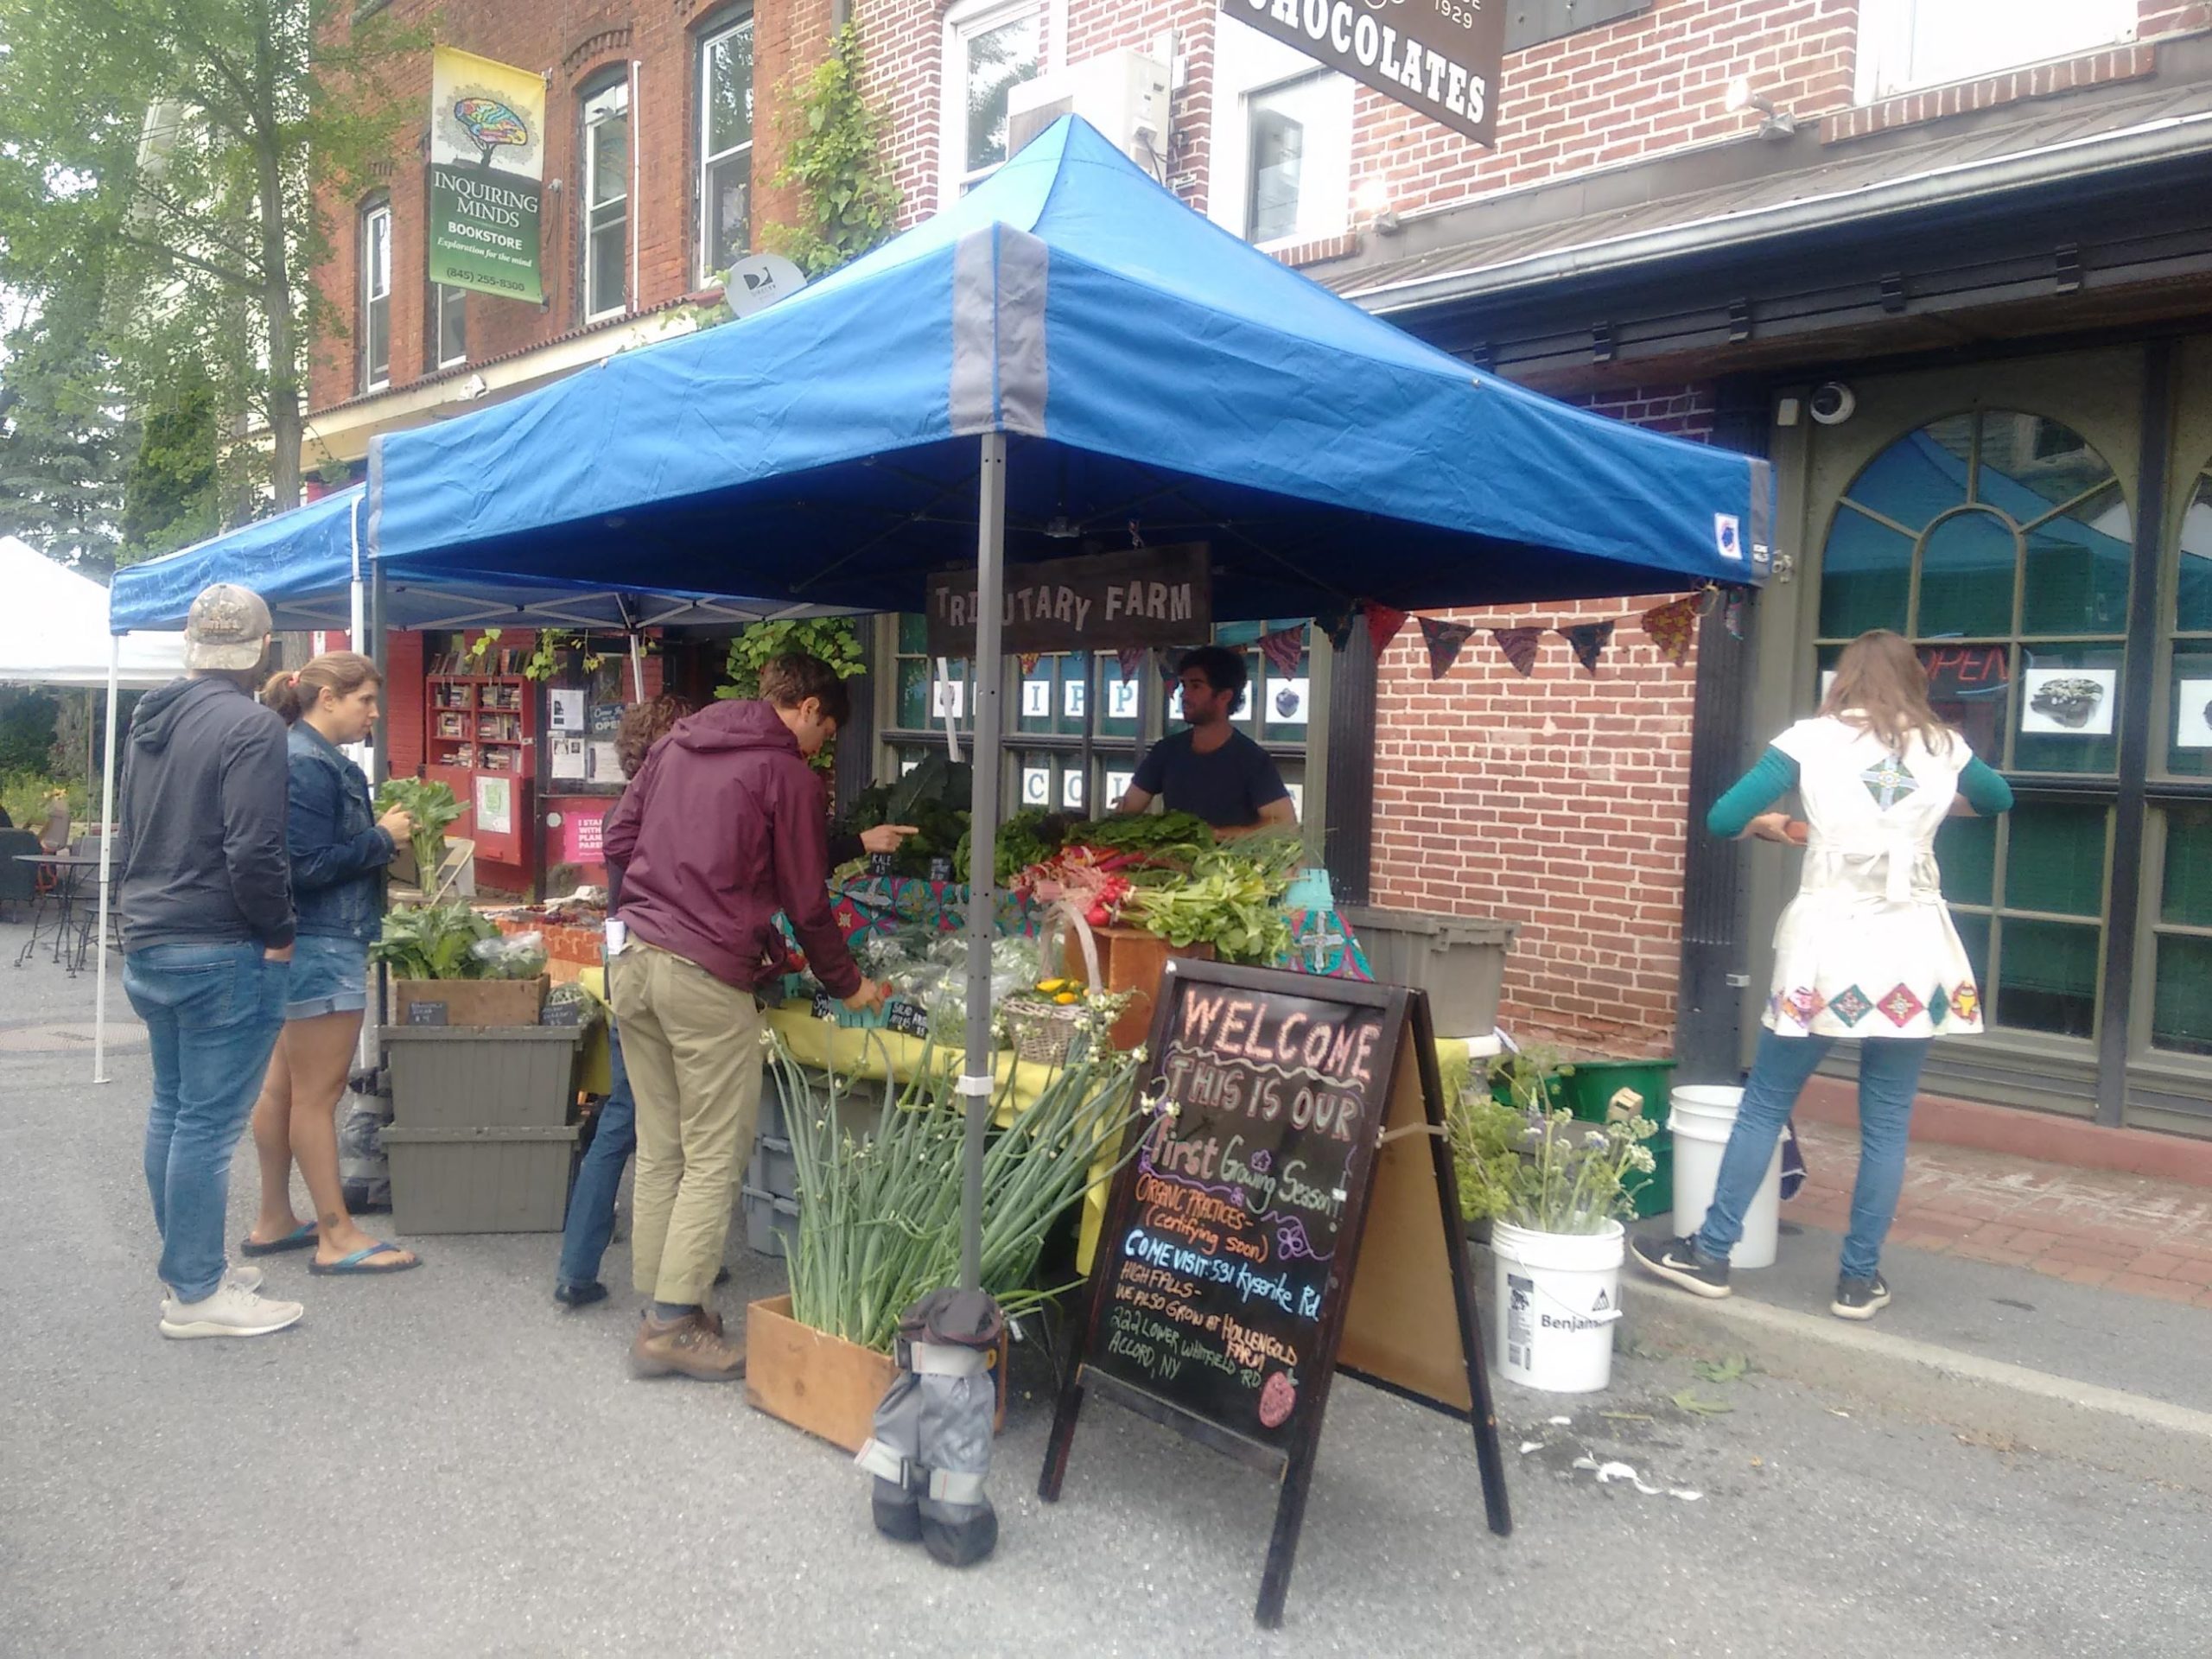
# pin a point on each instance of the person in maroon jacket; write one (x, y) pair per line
(724, 826)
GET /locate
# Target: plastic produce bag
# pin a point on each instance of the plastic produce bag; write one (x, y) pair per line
(511, 956)
(364, 1171)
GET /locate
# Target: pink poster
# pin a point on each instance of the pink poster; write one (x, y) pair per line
(581, 830)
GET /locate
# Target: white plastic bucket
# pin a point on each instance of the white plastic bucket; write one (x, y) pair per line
(1557, 1295)
(1702, 1117)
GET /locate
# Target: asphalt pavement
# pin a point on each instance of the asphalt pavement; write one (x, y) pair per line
(447, 1464)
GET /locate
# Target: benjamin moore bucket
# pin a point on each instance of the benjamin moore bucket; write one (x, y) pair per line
(1703, 1117)
(1557, 1295)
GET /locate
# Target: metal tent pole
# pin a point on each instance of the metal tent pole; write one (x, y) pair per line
(108, 827)
(983, 818)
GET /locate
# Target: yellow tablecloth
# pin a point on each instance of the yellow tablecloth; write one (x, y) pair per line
(853, 1052)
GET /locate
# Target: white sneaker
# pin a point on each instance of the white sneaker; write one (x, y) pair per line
(245, 1276)
(230, 1312)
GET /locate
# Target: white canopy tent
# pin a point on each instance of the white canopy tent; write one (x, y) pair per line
(53, 630)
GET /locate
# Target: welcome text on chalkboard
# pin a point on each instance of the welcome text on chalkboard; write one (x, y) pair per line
(1231, 1254)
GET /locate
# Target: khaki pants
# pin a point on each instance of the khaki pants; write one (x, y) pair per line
(692, 1046)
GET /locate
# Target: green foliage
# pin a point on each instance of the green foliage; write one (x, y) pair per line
(433, 807)
(171, 496)
(62, 439)
(933, 797)
(833, 156)
(25, 793)
(1231, 899)
(433, 942)
(1544, 1170)
(549, 647)
(27, 728)
(1528, 1079)
(159, 181)
(832, 639)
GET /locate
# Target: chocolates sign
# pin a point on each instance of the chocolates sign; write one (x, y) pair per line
(1438, 57)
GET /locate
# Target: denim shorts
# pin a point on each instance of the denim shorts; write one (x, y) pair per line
(329, 975)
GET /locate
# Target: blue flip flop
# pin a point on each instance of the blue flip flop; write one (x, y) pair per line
(358, 1262)
(302, 1237)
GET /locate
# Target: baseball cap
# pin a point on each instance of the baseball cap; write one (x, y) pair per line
(227, 627)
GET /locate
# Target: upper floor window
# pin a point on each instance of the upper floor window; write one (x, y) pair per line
(449, 326)
(725, 148)
(1907, 44)
(1282, 140)
(989, 49)
(373, 334)
(606, 205)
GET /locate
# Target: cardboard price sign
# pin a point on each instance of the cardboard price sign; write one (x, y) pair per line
(1290, 1212)
(1141, 596)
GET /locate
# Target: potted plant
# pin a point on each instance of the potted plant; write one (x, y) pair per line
(879, 1211)
(1556, 1191)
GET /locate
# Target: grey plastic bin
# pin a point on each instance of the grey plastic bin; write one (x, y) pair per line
(771, 1222)
(480, 1180)
(1458, 960)
(482, 1077)
(772, 1170)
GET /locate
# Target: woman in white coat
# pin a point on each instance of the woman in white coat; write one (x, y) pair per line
(1866, 950)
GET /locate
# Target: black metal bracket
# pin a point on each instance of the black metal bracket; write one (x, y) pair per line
(1893, 292)
(2068, 261)
(1602, 344)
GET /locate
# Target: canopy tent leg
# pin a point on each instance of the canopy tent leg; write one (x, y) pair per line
(379, 651)
(108, 828)
(983, 818)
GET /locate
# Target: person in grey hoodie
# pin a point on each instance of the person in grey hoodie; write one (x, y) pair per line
(205, 894)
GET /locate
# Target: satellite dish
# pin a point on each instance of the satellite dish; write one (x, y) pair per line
(758, 281)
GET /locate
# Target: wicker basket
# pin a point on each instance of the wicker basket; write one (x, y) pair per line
(1043, 1030)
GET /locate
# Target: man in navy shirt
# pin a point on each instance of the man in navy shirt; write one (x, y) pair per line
(1213, 770)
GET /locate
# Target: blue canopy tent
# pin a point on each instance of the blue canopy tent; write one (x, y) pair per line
(1065, 352)
(310, 565)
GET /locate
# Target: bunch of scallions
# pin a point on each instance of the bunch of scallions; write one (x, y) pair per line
(878, 1223)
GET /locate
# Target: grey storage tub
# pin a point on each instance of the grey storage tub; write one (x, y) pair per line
(772, 1168)
(771, 1222)
(1458, 960)
(482, 1077)
(480, 1180)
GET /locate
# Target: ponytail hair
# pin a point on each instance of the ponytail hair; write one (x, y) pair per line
(339, 672)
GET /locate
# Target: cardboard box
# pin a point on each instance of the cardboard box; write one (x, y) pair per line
(469, 1001)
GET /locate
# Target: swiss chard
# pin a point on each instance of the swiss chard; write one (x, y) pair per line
(433, 807)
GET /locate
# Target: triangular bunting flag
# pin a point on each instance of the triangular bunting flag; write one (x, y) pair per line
(1131, 658)
(1672, 626)
(1382, 626)
(1589, 640)
(1283, 648)
(1445, 639)
(1338, 626)
(1029, 660)
(1519, 645)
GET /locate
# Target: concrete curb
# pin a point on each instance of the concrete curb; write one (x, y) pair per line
(2006, 1406)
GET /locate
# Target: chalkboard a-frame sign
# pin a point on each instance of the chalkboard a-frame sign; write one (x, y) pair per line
(1290, 1212)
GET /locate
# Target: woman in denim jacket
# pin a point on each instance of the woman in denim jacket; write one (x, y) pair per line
(339, 848)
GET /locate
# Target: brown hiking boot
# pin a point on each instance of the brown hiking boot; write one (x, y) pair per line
(691, 1346)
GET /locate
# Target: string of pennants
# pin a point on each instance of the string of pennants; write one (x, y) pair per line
(1672, 627)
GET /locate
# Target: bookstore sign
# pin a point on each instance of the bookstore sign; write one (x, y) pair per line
(1438, 57)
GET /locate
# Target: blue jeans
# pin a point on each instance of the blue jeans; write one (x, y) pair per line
(213, 1013)
(591, 1206)
(1889, 1075)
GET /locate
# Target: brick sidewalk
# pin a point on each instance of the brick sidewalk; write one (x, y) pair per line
(2087, 1227)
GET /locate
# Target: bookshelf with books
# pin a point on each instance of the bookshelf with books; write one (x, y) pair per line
(479, 725)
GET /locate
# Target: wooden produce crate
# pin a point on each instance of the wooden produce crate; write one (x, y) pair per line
(473, 1002)
(823, 1384)
(1130, 960)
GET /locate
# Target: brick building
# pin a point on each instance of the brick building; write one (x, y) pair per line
(1944, 263)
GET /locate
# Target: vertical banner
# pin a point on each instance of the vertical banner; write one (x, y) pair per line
(487, 158)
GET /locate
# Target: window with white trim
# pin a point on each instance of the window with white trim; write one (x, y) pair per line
(375, 308)
(725, 148)
(449, 326)
(606, 204)
(990, 47)
(1282, 141)
(1904, 45)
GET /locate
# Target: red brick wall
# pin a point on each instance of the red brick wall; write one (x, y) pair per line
(1558, 802)
(574, 45)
